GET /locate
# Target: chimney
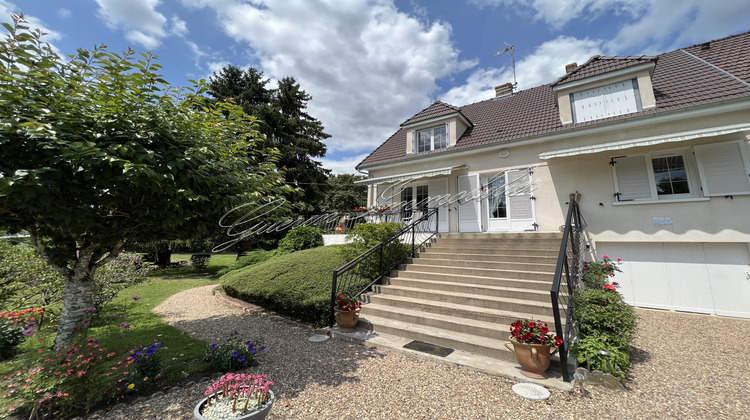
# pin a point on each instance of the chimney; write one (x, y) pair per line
(503, 90)
(570, 67)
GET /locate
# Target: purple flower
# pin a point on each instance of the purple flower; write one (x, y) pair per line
(241, 359)
(90, 310)
(235, 332)
(85, 322)
(136, 298)
(125, 325)
(263, 348)
(235, 354)
(27, 332)
(31, 324)
(213, 346)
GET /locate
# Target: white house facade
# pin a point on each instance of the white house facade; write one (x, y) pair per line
(657, 147)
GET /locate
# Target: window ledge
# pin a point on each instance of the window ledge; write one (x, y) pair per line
(676, 200)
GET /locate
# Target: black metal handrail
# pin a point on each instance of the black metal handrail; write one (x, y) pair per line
(360, 274)
(567, 280)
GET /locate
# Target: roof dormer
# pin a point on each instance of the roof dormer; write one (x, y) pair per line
(605, 87)
(436, 127)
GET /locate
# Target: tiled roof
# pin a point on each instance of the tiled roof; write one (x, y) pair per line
(696, 75)
(437, 109)
(599, 65)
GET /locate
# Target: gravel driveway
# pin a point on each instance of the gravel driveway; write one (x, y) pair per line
(685, 366)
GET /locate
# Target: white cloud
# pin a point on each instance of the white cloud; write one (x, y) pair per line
(345, 165)
(139, 18)
(671, 24)
(367, 65)
(179, 27)
(557, 13)
(544, 65)
(64, 13)
(7, 8)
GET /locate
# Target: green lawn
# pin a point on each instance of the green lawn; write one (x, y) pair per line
(181, 355)
(217, 260)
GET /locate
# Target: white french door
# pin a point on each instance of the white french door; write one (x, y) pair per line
(509, 205)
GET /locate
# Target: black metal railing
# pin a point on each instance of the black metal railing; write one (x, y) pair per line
(567, 280)
(360, 274)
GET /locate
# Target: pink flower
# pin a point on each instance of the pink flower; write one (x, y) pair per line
(605, 257)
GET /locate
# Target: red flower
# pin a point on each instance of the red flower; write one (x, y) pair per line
(610, 287)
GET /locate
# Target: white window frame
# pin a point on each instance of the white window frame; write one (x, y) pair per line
(691, 170)
(431, 130)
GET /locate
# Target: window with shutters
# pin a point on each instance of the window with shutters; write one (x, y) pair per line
(715, 169)
(655, 176)
(606, 101)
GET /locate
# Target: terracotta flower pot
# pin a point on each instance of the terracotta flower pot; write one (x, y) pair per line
(339, 229)
(533, 358)
(347, 319)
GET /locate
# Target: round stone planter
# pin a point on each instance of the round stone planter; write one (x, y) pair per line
(346, 319)
(259, 414)
(533, 358)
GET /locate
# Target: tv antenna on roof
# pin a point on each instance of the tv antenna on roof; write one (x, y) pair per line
(510, 49)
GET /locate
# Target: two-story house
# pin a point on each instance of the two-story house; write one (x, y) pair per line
(657, 147)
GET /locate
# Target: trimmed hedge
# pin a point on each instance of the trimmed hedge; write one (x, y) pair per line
(296, 284)
(299, 238)
(252, 258)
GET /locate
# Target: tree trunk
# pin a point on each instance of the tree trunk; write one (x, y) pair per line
(163, 258)
(78, 296)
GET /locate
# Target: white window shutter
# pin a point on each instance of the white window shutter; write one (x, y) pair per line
(723, 168)
(468, 205)
(631, 178)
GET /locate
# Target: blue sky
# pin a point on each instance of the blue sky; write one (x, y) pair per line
(370, 65)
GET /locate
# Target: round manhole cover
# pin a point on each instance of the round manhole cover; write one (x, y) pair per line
(531, 391)
(319, 338)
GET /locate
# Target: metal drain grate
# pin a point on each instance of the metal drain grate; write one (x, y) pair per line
(428, 348)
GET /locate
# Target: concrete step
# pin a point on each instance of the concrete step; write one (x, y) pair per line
(489, 281)
(481, 248)
(480, 272)
(529, 242)
(477, 289)
(492, 257)
(529, 310)
(462, 261)
(474, 300)
(453, 339)
(508, 235)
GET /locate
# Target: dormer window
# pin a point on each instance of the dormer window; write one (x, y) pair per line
(606, 101)
(432, 139)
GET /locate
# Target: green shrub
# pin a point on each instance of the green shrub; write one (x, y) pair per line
(26, 279)
(617, 363)
(296, 284)
(299, 238)
(252, 258)
(604, 312)
(128, 269)
(596, 274)
(233, 353)
(365, 236)
(199, 261)
(10, 337)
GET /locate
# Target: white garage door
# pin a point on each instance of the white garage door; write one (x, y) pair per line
(712, 278)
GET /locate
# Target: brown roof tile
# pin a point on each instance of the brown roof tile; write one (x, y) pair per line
(437, 109)
(683, 78)
(597, 65)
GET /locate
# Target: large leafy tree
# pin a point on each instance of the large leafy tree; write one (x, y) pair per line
(343, 195)
(284, 121)
(99, 152)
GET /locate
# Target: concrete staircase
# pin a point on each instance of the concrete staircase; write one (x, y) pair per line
(463, 290)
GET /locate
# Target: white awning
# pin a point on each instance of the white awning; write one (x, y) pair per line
(410, 175)
(646, 141)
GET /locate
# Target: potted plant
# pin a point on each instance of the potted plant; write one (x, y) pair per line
(236, 396)
(531, 343)
(347, 311)
(340, 228)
